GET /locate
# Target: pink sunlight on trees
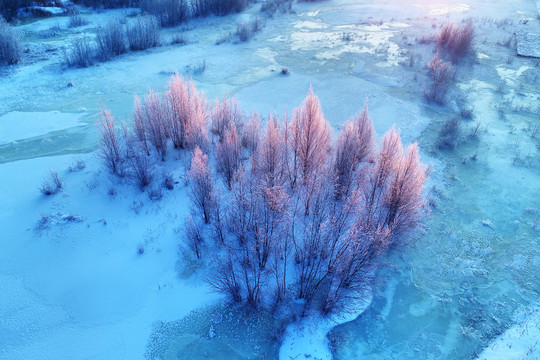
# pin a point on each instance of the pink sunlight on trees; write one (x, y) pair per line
(297, 216)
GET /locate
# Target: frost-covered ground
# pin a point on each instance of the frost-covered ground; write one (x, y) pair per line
(73, 285)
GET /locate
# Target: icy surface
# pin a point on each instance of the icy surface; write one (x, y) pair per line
(18, 125)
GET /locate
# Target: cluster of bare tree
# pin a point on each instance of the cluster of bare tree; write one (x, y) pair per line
(178, 115)
(297, 216)
(113, 39)
(294, 215)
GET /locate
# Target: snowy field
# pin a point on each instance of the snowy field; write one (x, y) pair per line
(94, 272)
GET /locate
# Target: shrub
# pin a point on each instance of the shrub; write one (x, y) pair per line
(442, 74)
(271, 6)
(403, 202)
(78, 165)
(167, 12)
(52, 184)
(140, 248)
(246, 30)
(168, 181)
(139, 165)
(449, 133)
(143, 33)
(243, 31)
(179, 39)
(110, 40)
(10, 48)
(196, 69)
(155, 194)
(108, 4)
(456, 41)
(202, 8)
(76, 20)
(81, 54)
(256, 24)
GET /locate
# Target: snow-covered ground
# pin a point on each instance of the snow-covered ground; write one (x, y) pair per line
(72, 283)
(518, 342)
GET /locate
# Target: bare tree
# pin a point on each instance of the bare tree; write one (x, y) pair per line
(111, 146)
(268, 159)
(242, 247)
(309, 147)
(193, 235)
(197, 129)
(228, 155)
(140, 165)
(139, 126)
(403, 199)
(366, 134)
(226, 113)
(380, 176)
(257, 222)
(356, 260)
(354, 145)
(201, 185)
(346, 160)
(188, 118)
(309, 140)
(225, 277)
(155, 113)
(251, 133)
(219, 224)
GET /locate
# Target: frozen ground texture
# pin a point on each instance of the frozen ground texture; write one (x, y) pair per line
(528, 43)
(74, 286)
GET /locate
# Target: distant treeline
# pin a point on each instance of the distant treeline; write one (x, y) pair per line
(10, 8)
(176, 10)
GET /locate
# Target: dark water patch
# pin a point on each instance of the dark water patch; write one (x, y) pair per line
(218, 332)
